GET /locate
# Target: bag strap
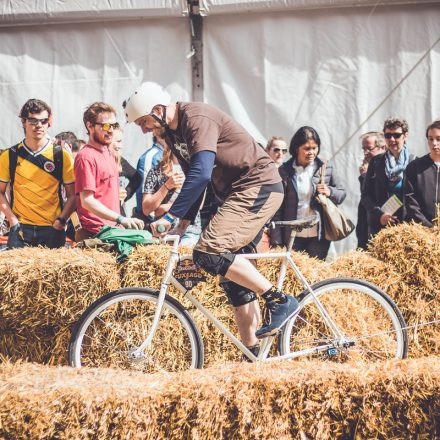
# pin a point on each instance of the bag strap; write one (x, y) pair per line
(323, 170)
(13, 156)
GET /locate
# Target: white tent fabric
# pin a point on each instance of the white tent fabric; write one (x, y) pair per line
(341, 70)
(72, 65)
(331, 69)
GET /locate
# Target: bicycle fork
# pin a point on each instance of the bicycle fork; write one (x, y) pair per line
(172, 260)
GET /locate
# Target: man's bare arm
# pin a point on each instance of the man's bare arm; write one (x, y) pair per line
(5, 207)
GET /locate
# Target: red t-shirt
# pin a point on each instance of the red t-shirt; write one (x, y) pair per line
(96, 170)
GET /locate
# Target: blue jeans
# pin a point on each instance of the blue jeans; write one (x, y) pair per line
(29, 235)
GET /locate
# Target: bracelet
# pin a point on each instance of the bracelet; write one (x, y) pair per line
(168, 218)
(120, 219)
(61, 220)
(165, 185)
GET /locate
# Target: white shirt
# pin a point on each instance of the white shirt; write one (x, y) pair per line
(305, 193)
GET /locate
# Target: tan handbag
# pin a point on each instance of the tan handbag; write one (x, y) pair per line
(336, 225)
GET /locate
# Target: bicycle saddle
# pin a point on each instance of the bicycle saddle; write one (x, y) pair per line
(297, 225)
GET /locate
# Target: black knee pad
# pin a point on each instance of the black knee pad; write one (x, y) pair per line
(212, 263)
(237, 295)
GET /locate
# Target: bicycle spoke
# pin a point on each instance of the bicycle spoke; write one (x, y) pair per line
(369, 327)
(116, 330)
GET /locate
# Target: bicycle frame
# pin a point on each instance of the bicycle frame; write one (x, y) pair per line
(266, 343)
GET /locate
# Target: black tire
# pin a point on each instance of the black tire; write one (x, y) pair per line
(118, 322)
(368, 318)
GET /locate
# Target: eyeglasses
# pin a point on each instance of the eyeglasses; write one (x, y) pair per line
(282, 150)
(36, 121)
(392, 135)
(106, 125)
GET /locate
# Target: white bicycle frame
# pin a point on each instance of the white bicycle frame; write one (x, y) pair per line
(266, 343)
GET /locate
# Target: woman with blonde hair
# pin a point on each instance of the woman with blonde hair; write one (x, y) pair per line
(162, 186)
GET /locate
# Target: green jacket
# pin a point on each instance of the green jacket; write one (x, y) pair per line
(124, 240)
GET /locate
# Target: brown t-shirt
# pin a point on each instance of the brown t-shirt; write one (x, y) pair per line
(240, 162)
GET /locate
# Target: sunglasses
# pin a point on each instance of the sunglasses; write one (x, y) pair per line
(392, 135)
(369, 150)
(278, 150)
(106, 125)
(36, 121)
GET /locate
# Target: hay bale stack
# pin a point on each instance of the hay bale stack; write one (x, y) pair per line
(413, 251)
(262, 401)
(43, 292)
(363, 265)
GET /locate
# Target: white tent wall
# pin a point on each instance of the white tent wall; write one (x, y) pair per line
(72, 65)
(340, 69)
(333, 69)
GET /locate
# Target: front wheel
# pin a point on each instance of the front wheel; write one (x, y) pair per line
(369, 324)
(114, 326)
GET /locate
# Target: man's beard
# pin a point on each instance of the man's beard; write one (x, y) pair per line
(101, 140)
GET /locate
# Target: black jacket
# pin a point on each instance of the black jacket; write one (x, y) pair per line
(289, 207)
(375, 193)
(422, 190)
(362, 224)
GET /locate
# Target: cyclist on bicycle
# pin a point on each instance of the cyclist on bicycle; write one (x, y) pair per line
(210, 145)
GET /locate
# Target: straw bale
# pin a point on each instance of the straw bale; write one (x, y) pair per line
(395, 399)
(43, 292)
(414, 252)
(43, 286)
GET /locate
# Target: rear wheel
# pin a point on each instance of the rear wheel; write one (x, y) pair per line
(114, 326)
(370, 324)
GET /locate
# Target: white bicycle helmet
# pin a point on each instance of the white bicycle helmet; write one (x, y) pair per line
(143, 99)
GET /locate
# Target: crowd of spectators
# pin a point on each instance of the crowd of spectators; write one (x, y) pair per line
(53, 187)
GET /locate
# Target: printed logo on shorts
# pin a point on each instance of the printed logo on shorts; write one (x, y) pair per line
(49, 166)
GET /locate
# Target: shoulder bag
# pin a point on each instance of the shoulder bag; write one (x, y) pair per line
(336, 225)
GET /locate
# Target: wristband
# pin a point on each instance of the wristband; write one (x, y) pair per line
(61, 220)
(120, 219)
(168, 218)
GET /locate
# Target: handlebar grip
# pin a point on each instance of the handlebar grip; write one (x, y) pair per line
(160, 228)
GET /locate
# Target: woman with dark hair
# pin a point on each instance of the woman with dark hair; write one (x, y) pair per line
(301, 176)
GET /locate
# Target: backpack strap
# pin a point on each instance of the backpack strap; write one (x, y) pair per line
(13, 156)
(58, 173)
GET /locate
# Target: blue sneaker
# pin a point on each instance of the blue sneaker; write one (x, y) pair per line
(278, 310)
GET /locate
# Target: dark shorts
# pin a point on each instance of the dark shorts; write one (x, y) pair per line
(240, 219)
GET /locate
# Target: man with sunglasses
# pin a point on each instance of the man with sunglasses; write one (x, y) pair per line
(36, 169)
(97, 175)
(385, 175)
